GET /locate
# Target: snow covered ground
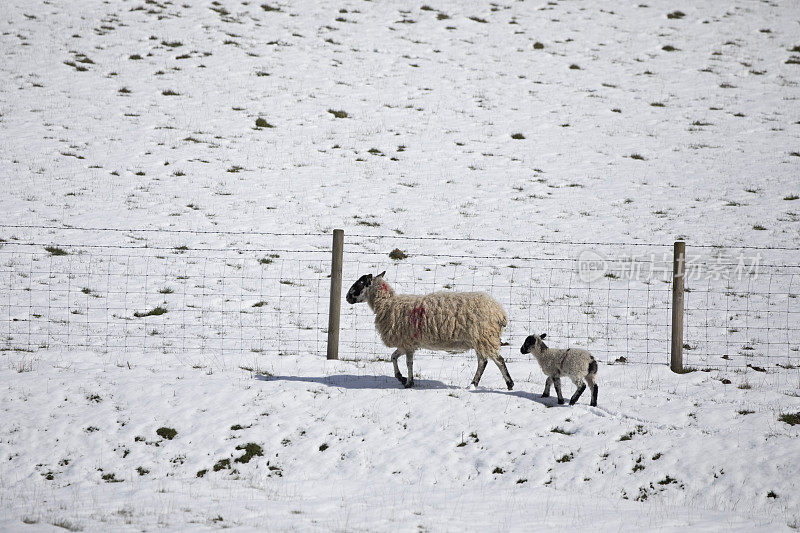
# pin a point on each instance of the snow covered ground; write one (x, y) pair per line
(544, 122)
(344, 448)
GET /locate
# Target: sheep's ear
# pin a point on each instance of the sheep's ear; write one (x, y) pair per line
(543, 335)
(381, 274)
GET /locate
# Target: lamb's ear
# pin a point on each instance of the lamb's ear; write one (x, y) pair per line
(381, 274)
(543, 335)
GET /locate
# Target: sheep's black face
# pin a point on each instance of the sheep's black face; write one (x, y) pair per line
(533, 341)
(358, 292)
(528, 344)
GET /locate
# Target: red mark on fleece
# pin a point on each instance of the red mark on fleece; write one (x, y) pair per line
(384, 287)
(417, 315)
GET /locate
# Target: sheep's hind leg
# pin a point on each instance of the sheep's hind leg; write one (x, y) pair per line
(557, 385)
(410, 364)
(593, 387)
(578, 392)
(546, 393)
(395, 356)
(478, 373)
(501, 364)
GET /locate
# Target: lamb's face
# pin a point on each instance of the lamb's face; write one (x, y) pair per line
(358, 292)
(533, 344)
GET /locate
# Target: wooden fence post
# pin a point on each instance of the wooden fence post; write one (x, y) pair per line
(336, 294)
(678, 275)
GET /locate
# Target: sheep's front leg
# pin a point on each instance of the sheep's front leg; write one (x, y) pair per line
(479, 373)
(557, 385)
(410, 365)
(546, 393)
(395, 356)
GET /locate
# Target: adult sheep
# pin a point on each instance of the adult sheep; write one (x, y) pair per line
(452, 321)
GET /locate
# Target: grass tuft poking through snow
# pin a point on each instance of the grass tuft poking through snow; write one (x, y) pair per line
(790, 418)
(251, 450)
(156, 311)
(166, 433)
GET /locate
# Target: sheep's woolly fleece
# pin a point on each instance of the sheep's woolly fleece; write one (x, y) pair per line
(437, 321)
(571, 362)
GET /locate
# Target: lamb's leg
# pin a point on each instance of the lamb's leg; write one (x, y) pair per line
(546, 393)
(501, 364)
(578, 392)
(395, 356)
(593, 387)
(410, 365)
(557, 385)
(478, 373)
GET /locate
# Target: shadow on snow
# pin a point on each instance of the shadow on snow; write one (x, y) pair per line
(547, 402)
(350, 381)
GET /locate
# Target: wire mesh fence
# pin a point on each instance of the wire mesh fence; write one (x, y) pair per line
(738, 312)
(232, 302)
(217, 305)
(752, 321)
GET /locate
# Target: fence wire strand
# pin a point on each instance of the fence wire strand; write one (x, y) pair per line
(435, 238)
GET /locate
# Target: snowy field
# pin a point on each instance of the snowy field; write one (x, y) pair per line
(170, 374)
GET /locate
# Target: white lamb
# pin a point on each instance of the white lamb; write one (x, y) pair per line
(575, 363)
(452, 321)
